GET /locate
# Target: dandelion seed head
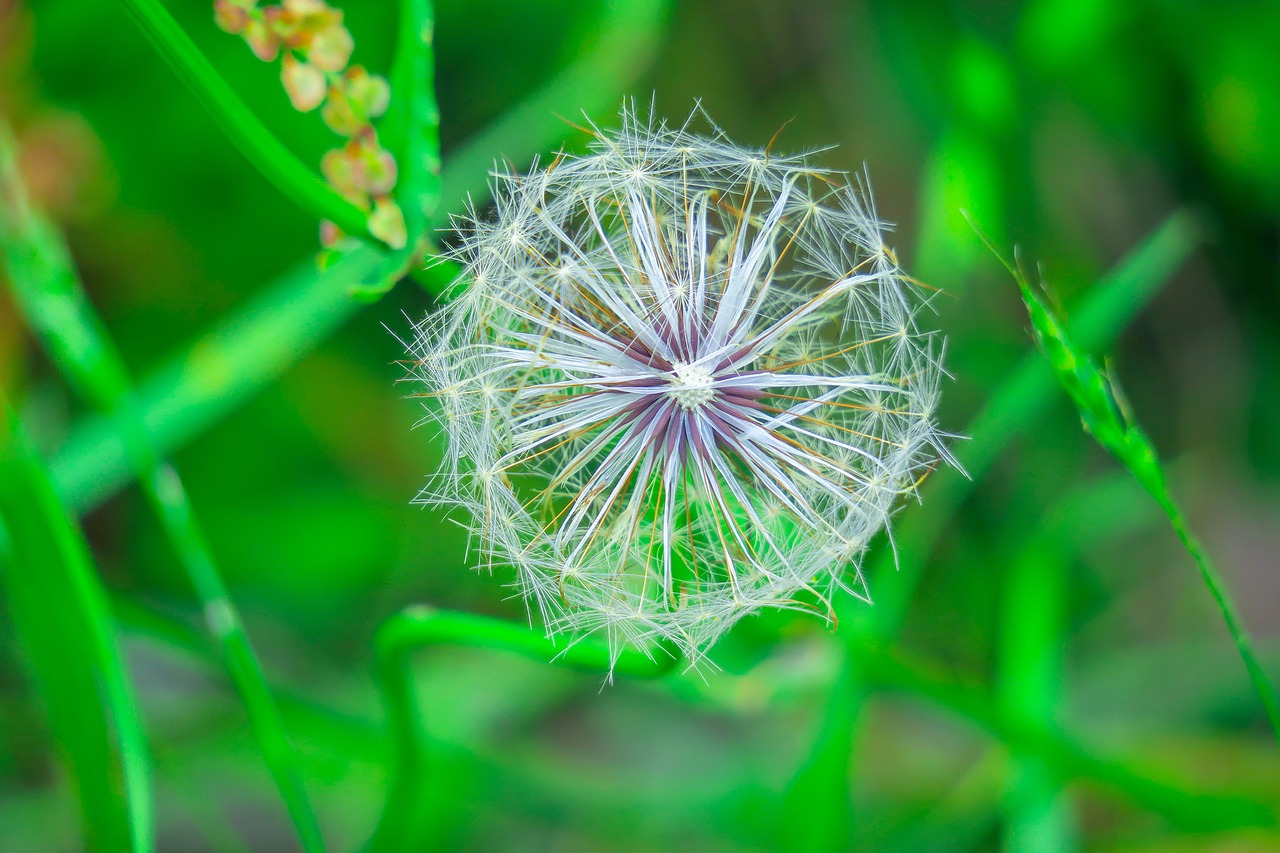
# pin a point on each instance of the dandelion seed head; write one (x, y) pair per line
(686, 382)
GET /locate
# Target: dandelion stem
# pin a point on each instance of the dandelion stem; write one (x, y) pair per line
(401, 826)
(259, 145)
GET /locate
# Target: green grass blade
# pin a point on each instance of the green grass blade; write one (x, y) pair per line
(816, 806)
(48, 292)
(217, 373)
(404, 824)
(1102, 411)
(66, 632)
(256, 142)
(1014, 406)
(1029, 684)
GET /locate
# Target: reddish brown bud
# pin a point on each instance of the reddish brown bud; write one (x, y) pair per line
(375, 170)
(330, 235)
(339, 169)
(262, 41)
(230, 16)
(339, 114)
(306, 8)
(387, 223)
(304, 83)
(331, 47)
(369, 93)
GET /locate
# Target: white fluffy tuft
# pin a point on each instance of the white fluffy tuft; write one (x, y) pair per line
(685, 382)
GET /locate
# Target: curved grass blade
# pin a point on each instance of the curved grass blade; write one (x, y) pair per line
(404, 824)
(247, 132)
(66, 632)
(1102, 410)
(49, 293)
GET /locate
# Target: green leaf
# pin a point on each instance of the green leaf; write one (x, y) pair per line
(62, 622)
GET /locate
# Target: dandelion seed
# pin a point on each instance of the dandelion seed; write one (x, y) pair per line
(685, 382)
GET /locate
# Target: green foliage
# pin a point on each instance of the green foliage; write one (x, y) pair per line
(408, 822)
(68, 637)
(1104, 416)
(47, 289)
(1035, 673)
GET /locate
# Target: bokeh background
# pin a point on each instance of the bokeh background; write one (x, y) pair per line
(1070, 128)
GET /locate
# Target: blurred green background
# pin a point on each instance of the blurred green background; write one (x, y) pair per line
(1069, 128)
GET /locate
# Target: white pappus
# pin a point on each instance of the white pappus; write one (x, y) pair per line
(684, 381)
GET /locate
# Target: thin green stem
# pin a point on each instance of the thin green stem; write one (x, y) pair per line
(49, 293)
(1154, 482)
(402, 826)
(1012, 408)
(411, 131)
(412, 123)
(256, 142)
